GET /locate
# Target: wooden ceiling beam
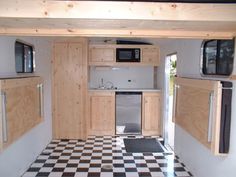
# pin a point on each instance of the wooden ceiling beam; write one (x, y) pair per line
(117, 10)
(117, 33)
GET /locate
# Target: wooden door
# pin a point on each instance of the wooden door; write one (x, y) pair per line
(102, 55)
(23, 107)
(151, 112)
(151, 55)
(102, 113)
(69, 66)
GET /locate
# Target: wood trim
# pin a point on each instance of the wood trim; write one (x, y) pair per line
(147, 33)
(155, 68)
(1, 122)
(197, 83)
(111, 10)
(232, 77)
(217, 119)
(19, 82)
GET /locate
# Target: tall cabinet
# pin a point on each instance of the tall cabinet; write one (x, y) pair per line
(69, 89)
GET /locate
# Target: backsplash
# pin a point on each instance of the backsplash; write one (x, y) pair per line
(122, 77)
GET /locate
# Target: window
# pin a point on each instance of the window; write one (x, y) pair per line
(217, 57)
(24, 57)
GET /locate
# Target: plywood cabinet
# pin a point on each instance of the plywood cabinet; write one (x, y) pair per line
(151, 113)
(151, 55)
(102, 113)
(197, 110)
(69, 89)
(105, 55)
(21, 107)
(101, 55)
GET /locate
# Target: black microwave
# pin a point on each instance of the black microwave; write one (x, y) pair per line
(128, 55)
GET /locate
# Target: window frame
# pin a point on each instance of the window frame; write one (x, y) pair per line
(32, 60)
(203, 61)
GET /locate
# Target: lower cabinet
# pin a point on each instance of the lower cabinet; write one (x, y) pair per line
(102, 113)
(151, 114)
(21, 107)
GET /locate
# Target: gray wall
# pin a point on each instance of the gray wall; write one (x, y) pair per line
(140, 77)
(198, 159)
(17, 157)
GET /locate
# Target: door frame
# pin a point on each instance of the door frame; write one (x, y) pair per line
(166, 97)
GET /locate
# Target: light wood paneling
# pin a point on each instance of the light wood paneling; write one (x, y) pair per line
(151, 55)
(102, 113)
(69, 89)
(73, 25)
(192, 110)
(23, 107)
(129, 33)
(112, 10)
(122, 19)
(151, 114)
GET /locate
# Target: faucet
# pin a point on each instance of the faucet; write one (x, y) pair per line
(102, 84)
(109, 85)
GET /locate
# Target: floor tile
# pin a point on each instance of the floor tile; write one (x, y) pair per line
(76, 158)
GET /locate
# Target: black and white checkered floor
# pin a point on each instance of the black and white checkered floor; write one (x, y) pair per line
(76, 158)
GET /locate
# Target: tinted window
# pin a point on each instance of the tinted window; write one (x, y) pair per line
(218, 56)
(24, 57)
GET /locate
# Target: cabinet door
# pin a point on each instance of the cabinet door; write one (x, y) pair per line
(21, 107)
(102, 113)
(100, 54)
(150, 55)
(151, 114)
(69, 91)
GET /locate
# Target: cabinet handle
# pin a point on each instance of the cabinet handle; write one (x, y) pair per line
(210, 117)
(4, 117)
(40, 88)
(175, 99)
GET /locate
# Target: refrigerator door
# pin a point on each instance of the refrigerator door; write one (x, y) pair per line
(128, 112)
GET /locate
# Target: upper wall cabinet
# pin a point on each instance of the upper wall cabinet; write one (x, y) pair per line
(105, 55)
(150, 55)
(21, 107)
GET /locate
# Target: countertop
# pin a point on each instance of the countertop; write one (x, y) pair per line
(127, 89)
